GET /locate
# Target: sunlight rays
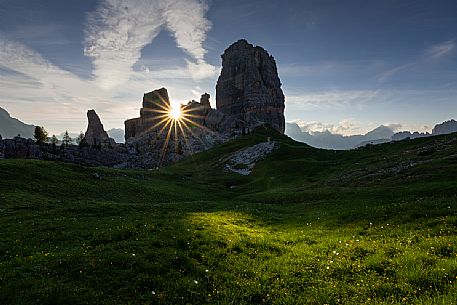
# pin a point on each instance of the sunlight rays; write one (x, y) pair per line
(176, 121)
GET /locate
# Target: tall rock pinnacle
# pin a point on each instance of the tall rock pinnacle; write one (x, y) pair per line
(95, 134)
(249, 88)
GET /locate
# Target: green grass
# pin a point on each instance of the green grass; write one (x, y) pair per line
(308, 226)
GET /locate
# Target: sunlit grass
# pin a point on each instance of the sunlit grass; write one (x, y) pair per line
(191, 234)
(308, 263)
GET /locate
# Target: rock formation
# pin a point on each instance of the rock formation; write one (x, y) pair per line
(249, 89)
(95, 134)
(155, 104)
(248, 94)
(204, 101)
(156, 141)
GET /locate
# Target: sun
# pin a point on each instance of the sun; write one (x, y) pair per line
(178, 122)
(175, 112)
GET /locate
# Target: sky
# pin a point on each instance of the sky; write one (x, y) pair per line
(346, 66)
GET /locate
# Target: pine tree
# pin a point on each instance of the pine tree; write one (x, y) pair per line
(54, 140)
(66, 140)
(80, 138)
(40, 135)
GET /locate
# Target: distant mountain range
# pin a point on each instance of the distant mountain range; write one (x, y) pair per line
(445, 127)
(328, 140)
(117, 134)
(381, 134)
(11, 127)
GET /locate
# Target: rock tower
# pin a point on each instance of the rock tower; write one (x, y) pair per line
(249, 88)
(155, 105)
(95, 134)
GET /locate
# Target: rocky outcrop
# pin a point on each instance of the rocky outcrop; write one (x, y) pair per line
(154, 140)
(20, 148)
(204, 101)
(243, 161)
(249, 89)
(155, 106)
(95, 135)
(248, 94)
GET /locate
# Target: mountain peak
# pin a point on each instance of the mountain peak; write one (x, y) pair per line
(11, 127)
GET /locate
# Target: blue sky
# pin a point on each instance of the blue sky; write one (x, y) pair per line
(346, 66)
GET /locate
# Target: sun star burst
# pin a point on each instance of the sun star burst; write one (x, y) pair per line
(175, 112)
(177, 122)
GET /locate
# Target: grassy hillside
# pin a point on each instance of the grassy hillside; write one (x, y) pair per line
(371, 226)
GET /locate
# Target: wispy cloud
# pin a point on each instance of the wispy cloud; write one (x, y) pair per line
(390, 73)
(332, 99)
(441, 49)
(346, 127)
(42, 93)
(118, 30)
(427, 56)
(186, 20)
(18, 57)
(115, 35)
(40, 86)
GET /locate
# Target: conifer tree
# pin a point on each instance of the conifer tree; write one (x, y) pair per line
(66, 140)
(80, 138)
(40, 135)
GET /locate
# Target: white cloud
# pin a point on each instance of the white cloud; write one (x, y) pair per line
(390, 73)
(119, 29)
(201, 70)
(346, 127)
(186, 20)
(39, 92)
(115, 35)
(394, 126)
(434, 52)
(58, 83)
(441, 49)
(332, 98)
(42, 93)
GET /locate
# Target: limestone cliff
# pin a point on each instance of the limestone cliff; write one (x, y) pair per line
(249, 89)
(155, 104)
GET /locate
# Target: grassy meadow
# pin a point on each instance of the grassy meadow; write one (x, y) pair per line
(376, 225)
